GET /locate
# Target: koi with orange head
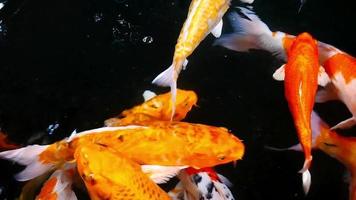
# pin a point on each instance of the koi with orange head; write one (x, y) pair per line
(157, 108)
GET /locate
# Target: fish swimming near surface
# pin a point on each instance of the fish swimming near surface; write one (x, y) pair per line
(301, 74)
(170, 144)
(156, 108)
(204, 17)
(337, 74)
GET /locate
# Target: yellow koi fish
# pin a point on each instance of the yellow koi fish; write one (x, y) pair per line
(204, 16)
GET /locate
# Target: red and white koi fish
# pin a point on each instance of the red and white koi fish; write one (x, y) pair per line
(204, 17)
(202, 184)
(338, 74)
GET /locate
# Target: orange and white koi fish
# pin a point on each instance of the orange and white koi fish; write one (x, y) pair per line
(337, 74)
(59, 185)
(204, 16)
(169, 144)
(156, 108)
(202, 184)
(111, 175)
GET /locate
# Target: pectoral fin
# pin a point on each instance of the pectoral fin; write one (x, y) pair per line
(217, 29)
(161, 174)
(346, 124)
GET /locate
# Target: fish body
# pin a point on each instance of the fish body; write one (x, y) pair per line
(300, 83)
(341, 69)
(204, 16)
(162, 143)
(157, 108)
(109, 174)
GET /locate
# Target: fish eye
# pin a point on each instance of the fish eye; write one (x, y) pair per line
(221, 157)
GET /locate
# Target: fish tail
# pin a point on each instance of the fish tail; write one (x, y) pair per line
(306, 176)
(249, 32)
(28, 156)
(168, 78)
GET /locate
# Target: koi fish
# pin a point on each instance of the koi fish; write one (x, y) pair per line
(169, 144)
(59, 185)
(337, 74)
(156, 108)
(101, 169)
(202, 184)
(204, 16)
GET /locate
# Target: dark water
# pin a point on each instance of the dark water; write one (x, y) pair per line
(76, 63)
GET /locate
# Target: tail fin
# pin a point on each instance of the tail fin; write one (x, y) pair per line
(249, 32)
(169, 78)
(28, 156)
(306, 176)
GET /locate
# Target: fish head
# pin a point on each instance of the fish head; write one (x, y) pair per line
(303, 42)
(220, 148)
(186, 99)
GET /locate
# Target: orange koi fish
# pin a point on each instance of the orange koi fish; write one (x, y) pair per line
(169, 144)
(157, 108)
(58, 186)
(337, 74)
(202, 184)
(300, 83)
(101, 169)
(204, 16)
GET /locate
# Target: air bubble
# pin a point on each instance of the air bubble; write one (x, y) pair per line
(147, 39)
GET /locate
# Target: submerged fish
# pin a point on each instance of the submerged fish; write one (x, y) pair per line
(338, 71)
(169, 144)
(109, 174)
(157, 108)
(201, 184)
(204, 16)
(5, 144)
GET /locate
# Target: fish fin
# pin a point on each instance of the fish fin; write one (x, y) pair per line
(249, 32)
(177, 192)
(28, 156)
(217, 29)
(185, 63)
(306, 176)
(148, 94)
(346, 124)
(225, 180)
(169, 78)
(223, 191)
(323, 77)
(296, 147)
(326, 94)
(247, 1)
(161, 174)
(63, 186)
(279, 74)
